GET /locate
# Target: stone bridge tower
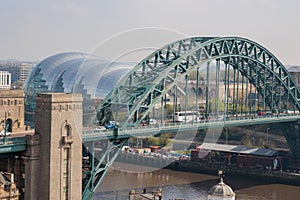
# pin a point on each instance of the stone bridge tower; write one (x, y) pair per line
(58, 123)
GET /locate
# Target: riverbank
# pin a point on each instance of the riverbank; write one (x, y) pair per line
(250, 173)
(210, 168)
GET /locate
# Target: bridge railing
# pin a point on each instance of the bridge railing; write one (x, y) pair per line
(9, 145)
(165, 125)
(15, 140)
(12, 140)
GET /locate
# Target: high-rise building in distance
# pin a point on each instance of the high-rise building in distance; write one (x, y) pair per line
(25, 70)
(5, 80)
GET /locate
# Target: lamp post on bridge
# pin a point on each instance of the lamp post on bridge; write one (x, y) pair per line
(268, 136)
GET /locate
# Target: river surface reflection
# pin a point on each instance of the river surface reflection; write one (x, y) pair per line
(189, 186)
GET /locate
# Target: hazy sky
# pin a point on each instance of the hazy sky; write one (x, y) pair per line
(33, 30)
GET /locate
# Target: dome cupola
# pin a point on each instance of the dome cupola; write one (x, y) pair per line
(221, 191)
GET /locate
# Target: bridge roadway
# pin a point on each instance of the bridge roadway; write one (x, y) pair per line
(96, 134)
(17, 142)
(10, 145)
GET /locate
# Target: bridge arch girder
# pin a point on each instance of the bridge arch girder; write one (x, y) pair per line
(258, 81)
(157, 74)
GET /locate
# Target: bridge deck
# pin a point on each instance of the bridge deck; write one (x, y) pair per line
(94, 135)
(16, 144)
(9, 145)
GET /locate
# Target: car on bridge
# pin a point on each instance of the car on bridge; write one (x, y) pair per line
(261, 113)
(264, 113)
(149, 122)
(2, 133)
(111, 125)
(152, 121)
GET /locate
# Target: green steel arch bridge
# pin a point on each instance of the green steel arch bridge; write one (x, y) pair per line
(242, 83)
(224, 81)
(161, 73)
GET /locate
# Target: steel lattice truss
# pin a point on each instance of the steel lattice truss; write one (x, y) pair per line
(156, 75)
(96, 169)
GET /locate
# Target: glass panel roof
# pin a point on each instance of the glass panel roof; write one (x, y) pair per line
(73, 72)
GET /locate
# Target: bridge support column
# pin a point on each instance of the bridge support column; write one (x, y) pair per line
(31, 158)
(207, 91)
(58, 122)
(292, 135)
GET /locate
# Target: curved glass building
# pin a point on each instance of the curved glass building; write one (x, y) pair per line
(73, 72)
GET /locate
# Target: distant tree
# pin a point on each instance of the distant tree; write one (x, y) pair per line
(17, 85)
(164, 139)
(212, 106)
(152, 141)
(169, 110)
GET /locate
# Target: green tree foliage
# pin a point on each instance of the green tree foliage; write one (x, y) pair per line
(212, 105)
(164, 139)
(169, 110)
(17, 85)
(152, 141)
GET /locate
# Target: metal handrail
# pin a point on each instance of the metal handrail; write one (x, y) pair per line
(159, 127)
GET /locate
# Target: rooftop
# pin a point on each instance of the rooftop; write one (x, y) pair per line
(238, 149)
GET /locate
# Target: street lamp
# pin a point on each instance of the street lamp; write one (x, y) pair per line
(268, 136)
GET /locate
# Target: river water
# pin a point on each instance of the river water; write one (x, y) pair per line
(188, 186)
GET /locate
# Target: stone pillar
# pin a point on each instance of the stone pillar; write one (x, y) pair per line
(31, 174)
(58, 122)
(291, 132)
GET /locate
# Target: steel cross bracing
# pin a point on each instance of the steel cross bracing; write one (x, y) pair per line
(97, 166)
(142, 78)
(165, 70)
(159, 73)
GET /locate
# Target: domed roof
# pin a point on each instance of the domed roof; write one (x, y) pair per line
(73, 72)
(68, 72)
(221, 189)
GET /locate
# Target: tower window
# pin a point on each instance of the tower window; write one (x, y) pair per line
(67, 131)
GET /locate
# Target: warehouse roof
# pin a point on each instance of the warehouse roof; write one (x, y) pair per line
(238, 149)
